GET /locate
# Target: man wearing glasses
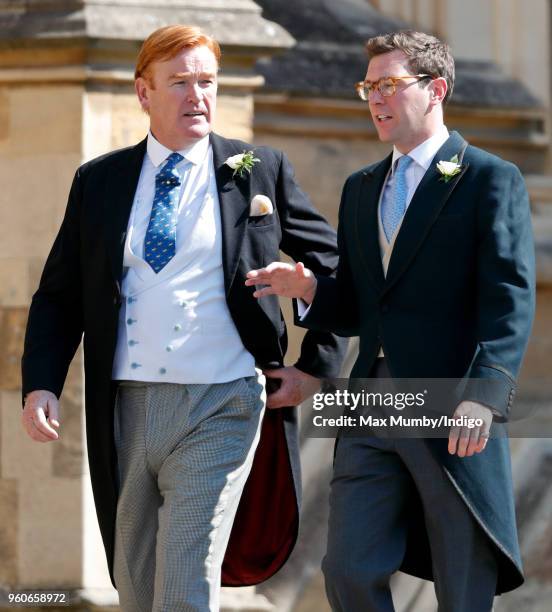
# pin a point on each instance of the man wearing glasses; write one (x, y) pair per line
(436, 277)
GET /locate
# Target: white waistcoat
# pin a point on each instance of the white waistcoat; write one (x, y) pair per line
(175, 326)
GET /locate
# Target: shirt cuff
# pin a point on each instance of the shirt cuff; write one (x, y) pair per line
(302, 309)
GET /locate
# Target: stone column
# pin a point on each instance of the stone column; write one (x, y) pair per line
(66, 95)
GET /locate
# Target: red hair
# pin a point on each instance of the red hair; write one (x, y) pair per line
(167, 42)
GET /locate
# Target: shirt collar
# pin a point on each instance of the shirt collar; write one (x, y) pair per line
(424, 153)
(195, 153)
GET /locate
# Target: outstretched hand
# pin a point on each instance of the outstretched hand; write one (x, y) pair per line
(285, 280)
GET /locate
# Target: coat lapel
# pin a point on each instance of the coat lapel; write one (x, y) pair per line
(121, 186)
(427, 202)
(366, 229)
(234, 197)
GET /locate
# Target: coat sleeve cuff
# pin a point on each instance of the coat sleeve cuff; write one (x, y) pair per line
(492, 388)
(316, 316)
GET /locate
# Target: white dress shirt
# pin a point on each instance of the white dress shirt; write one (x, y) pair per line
(195, 180)
(175, 326)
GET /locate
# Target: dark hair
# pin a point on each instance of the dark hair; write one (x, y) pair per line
(426, 53)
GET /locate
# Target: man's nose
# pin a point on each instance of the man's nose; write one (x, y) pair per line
(194, 93)
(375, 97)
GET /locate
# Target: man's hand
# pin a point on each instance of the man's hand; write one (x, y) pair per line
(285, 280)
(464, 441)
(296, 386)
(41, 416)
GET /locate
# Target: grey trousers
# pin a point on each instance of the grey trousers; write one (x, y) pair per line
(184, 454)
(375, 482)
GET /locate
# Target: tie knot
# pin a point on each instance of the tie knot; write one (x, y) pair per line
(402, 163)
(172, 160)
(169, 175)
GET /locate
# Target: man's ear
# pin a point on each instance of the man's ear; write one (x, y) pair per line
(438, 89)
(141, 86)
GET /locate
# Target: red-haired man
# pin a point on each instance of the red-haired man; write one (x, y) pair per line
(149, 265)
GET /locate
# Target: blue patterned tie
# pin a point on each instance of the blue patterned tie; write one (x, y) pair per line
(160, 245)
(393, 208)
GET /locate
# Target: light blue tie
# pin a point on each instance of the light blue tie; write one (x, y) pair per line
(160, 244)
(393, 208)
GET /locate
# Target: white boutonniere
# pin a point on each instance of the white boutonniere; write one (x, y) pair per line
(242, 163)
(260, 205)
(448, 169)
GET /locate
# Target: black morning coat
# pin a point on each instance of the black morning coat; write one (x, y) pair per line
(457, 301)
(79, 297)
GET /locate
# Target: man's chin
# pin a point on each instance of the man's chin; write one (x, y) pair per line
(384, 135)
(195, 133)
